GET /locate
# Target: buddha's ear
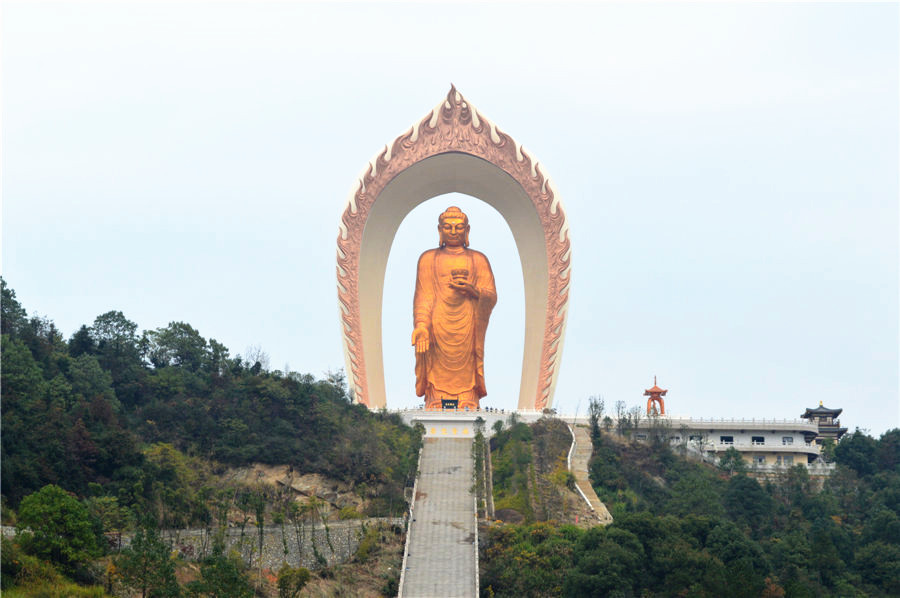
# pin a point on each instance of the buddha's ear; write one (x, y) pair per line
(440, 236)
(466, 239)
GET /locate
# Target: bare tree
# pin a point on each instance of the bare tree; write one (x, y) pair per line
(634, 415)
(698, 441)
(255, 354)
(659, 428)
(338, 379)
(683, 438)
(622, 420)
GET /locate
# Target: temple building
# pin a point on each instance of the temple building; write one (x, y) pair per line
(826, 421)
(767, 445)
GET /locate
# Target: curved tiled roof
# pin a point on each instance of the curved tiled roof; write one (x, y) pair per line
(821, 410)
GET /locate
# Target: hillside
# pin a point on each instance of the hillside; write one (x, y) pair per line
(82, 413)
(165, 429)
(683, 528)
(112, 430)
(530, 479)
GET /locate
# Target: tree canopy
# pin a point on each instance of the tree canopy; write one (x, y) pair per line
(92, 414)
(683, 528)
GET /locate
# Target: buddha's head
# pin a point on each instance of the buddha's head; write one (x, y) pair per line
(453, 228)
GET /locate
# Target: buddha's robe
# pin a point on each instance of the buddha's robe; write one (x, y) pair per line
(453, 365)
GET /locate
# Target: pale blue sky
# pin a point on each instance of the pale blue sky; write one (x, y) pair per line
(730, 172)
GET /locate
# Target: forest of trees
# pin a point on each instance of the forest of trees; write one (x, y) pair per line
(89, 413)
(113, 429)
(683, 528)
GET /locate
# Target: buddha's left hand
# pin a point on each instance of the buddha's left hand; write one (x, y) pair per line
(465, 287)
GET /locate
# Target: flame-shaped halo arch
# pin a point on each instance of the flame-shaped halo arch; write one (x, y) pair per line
(454, 149)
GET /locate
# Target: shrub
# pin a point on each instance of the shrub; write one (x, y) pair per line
(367, 545)
(291, 580)
(349, 513)
(23, 575)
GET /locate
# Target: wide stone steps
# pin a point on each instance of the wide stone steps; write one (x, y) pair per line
(441, 554)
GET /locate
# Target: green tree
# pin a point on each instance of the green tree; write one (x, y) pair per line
(175, 479)
(596, 406)
(21, 374)
(221, 576)
(34, 432)
(828, 446)
(118, 349)
(695, 493)
(146, 565)
(217, 358)
(857, 451)
(13, 316)
(82, 342)
(117, 340)
(89, 380)
(879, 564)
(888, 452)
(178, 344)
(744, 560)
(57, 527)
(608, 562)
(112, 516)
(291, 580)
(732, 461)
(747, 503)
(45, 342)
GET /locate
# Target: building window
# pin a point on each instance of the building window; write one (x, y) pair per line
(787, 440)
(726, 439)
(778, 460)
(757, 440)
(696, 438)
(759, 460)
(640, 436)
(676, 439)
(788, 459)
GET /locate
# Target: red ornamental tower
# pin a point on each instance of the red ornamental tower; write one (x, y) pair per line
(656, 394)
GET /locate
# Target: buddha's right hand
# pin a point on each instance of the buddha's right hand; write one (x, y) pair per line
(420, 339)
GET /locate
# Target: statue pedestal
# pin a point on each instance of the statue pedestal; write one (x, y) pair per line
(449, 423)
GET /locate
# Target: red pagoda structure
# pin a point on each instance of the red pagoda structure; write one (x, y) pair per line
(656, 395)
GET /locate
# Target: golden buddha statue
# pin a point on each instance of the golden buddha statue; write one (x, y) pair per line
(453, 301)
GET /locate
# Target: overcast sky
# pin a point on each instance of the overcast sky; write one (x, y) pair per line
(730, 173)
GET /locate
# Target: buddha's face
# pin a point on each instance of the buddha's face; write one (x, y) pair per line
(454, 232)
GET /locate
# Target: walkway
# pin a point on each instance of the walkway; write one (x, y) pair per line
(580, 459)
(441, 551)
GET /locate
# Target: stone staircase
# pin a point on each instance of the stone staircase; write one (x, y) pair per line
(581, 455)
(441, 557)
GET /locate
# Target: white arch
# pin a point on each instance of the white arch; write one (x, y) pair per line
(411, 171)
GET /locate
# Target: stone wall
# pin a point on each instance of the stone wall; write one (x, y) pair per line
(335, 543)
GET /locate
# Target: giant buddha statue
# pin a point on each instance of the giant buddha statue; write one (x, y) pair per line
(453, 301)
